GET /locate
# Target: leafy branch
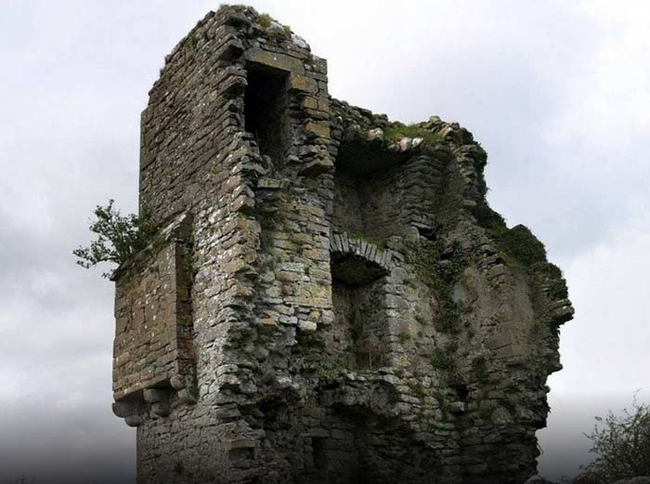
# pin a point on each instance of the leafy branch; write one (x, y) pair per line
(119, 237)
(622, 445)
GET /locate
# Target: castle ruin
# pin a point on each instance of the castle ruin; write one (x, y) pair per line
(330, 299)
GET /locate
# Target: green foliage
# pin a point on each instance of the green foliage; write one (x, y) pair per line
(557, 289)
(488, 218)
(397, 131)
(518, 244)
(119, 237)
(552, 274)
(440, 274)
(265, 20)
(332, 372)
(622, 445)
(379, 242)
(441, 360)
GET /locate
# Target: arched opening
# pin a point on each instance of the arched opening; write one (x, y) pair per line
(360, 329)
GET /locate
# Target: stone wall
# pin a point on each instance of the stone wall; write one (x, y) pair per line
(153, 336)
(357, 312)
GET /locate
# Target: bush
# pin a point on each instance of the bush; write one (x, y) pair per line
(118, 237)
(518, 242)
(440, 360)
(521, 244)
(622, 445)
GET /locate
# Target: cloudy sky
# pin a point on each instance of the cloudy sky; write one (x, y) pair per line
(558, 92)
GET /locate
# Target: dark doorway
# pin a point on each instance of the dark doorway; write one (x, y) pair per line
(266, 110)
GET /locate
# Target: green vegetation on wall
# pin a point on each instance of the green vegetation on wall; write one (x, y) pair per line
(119, 237)
(518, 244)
(397, 131)
(439, 272)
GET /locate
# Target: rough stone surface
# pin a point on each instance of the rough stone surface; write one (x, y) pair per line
(340, 305)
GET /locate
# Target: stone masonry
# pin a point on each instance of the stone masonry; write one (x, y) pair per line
(329, 299)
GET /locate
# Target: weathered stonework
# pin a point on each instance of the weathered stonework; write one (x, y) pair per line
(330, 301)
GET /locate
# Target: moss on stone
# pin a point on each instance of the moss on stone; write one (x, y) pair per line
(439, 272)
(379, 242)
(397, 131)
(440, 360)
(518, 244)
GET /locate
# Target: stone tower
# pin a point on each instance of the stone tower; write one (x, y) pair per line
(329, 299)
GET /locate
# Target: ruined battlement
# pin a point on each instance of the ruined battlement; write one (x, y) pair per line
(330, 299)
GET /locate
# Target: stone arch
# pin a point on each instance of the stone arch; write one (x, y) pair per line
(360, 333)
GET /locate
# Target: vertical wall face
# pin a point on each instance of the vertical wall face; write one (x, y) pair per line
(153, 340)
(324, 304)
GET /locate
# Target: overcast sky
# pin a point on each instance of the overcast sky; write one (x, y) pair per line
(558, 92)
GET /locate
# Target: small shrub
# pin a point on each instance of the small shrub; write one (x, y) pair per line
(119, 237)
(622, 445)
(265, 20)
(488, 218)
(440, 360)
(450, 317)
(517, 243)
(521, 244)
(557, 289)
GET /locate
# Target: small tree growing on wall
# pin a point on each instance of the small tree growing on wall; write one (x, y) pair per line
(622, 445)
(118, 237)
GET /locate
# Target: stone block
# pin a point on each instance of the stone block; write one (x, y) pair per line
(275, 60)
